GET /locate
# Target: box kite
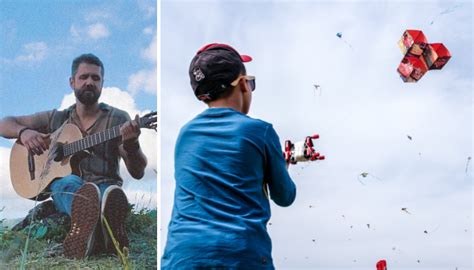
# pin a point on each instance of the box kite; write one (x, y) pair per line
(420, 56)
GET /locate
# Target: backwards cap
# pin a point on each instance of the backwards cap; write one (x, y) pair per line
(213, 69)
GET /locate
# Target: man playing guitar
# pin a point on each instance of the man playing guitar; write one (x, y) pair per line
(93, 194)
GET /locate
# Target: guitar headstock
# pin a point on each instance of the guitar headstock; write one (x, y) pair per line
(149, 120)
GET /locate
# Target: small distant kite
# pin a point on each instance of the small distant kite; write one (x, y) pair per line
(420, 56)
(339, 35)
(409, 137)
(364, 175)
(317, 87)
(444, 12)
(434, 230)
(404, 209)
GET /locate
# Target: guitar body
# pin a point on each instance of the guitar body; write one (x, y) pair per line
(46, 169)
(31, 175)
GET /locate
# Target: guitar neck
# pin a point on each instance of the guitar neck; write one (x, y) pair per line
(92, 140)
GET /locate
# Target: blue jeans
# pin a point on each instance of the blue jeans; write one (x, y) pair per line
(63, 190)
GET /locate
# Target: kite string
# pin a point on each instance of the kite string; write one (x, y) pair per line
(467, 164)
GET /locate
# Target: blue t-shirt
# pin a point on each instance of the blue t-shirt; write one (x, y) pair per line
(223, 162)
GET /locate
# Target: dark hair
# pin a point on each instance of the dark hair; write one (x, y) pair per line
(88, 58)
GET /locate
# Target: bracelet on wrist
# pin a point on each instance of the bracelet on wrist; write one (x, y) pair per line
(21, 131)
(131, 147)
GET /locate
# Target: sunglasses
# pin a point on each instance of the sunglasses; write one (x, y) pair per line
(250, 80)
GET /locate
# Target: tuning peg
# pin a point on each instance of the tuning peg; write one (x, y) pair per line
(150, 114)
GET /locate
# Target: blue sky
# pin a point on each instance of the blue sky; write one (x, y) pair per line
(39, 41)
(363, 113)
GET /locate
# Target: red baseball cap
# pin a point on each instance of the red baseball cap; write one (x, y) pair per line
(243, 57)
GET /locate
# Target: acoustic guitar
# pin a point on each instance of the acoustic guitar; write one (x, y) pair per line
(31, 174)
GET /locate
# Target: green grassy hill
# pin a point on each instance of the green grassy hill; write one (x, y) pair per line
(45, 246)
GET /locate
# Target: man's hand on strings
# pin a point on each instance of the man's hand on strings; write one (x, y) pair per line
(130, 131)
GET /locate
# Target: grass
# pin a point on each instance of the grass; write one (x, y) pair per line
(45, 246)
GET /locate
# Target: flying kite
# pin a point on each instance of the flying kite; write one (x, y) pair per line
(446, 11)
(381, 265)
(339, 35)
(317, 87)
(420, 56)
(364, 175)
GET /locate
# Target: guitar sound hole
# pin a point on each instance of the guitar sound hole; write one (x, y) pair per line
(58, 152)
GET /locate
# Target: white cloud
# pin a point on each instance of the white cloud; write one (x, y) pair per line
(150, 52)
(148, 30)
(141, 193)
(144, 80)
(15, 207)
(98, 31)
(93, 31)
(31, 53)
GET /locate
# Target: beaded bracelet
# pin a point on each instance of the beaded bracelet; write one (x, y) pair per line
(21, 131)
(131, 148)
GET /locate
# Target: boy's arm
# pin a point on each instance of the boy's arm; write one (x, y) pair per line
(281, 186)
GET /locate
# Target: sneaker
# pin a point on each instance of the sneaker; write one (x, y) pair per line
(85, 213)
(115, 211)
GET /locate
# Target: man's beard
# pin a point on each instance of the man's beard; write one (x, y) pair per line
(87, 95)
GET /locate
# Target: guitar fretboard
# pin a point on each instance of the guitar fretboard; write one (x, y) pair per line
(90, 141)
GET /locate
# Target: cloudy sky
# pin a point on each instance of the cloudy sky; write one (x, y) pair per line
(364, 114)
(38, 44)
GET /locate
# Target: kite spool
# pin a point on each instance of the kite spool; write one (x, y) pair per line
(301, 151)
